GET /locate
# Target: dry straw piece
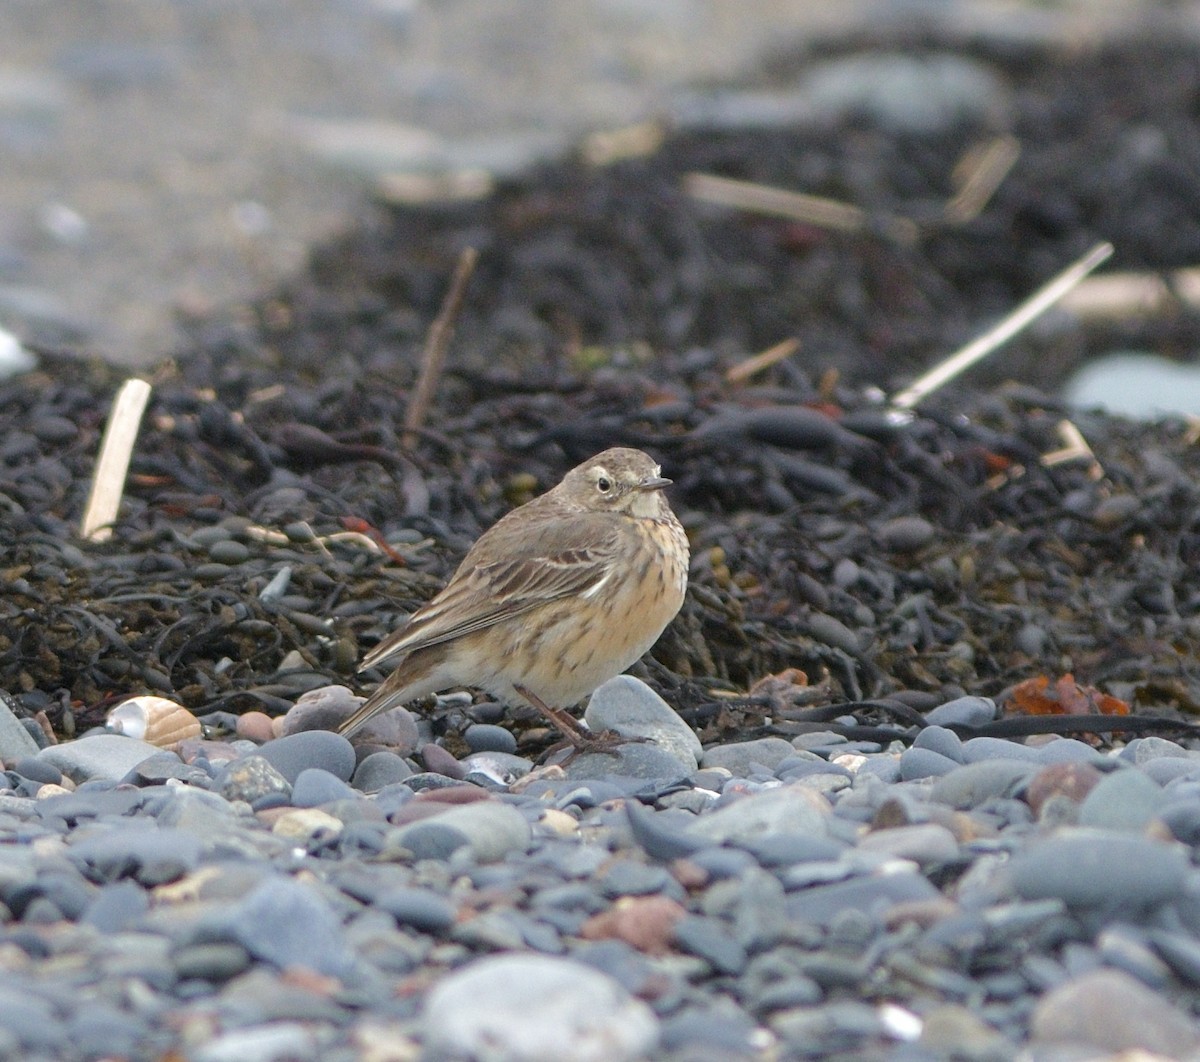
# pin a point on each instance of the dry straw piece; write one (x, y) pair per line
(108, 483)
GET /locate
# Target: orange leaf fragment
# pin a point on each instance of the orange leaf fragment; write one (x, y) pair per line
(1036, 696)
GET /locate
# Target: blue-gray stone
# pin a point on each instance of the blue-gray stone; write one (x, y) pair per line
(963, 711)
(152, 855)
(979, 749)
(380, 769)
(117, 907)
(315, 786)
(420, 908)
(310, 748)
(970, 785)
(98, 756)
(796, 808)
(15, 742)
(490, 828)
(251, 779)
(872, 896)
(644, 760)
(1088, 868)
(629, 707)
(940, 740)
(708, 939)
(287, 923)
(1122, 800)
(487, 737)
(739, 757)
(924, 763)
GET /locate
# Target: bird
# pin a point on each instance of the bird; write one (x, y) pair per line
(554, 599)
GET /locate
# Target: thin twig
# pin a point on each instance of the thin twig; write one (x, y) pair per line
(797, 206)
(116, 449)
(1074, 448)
(978, 174)
(746, 368)
(437, 342)
(1037, 303)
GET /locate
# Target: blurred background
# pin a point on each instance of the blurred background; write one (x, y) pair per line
(162, 160)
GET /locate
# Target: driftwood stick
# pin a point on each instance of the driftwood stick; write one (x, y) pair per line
(437, 342)
(116, 449)
(1037, 303)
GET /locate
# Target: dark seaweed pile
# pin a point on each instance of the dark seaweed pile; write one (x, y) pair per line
(935, 555)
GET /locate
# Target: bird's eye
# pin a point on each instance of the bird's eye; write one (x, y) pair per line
(604, 484)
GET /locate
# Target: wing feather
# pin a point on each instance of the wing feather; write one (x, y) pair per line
(550, 560)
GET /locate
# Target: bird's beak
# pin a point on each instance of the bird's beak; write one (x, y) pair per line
(654, 483)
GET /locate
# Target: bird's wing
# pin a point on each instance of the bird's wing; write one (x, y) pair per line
(563, 557)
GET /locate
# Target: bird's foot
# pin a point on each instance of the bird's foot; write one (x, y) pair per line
(577, 737)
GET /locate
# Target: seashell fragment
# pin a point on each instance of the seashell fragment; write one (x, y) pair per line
(154, 719)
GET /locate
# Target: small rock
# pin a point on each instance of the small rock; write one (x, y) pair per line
(568, 1012)
(794, 808)
(629, 707)
(490, 828)
(107, 757)
(486, 737)
(314, 787)
(256, 726)
(740, 756)
(963, 711)
(378, 770)
(311, 748)
(250, 779)
(1123, 800)
(1110, 1011)
(306, 825)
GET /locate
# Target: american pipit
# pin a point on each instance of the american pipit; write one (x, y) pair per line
(554, 599)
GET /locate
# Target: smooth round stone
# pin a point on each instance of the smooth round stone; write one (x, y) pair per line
(786, 848)
(707, 939)
(905, 534)
(1100, 869)
(420, 908)
(108, 757)
(37, 770)
(486, 737)
(437, 759)
(1182, 818)
(291, 754)
(492, 829)
(1109, 1011)
(713, 1032)
(645, 760)
(740, 756)
(962, 711)
(927, 843)
(567, 1011)
(1144, 750)
(662, 835)
(969, 786)
(251, 779)
(942, 741)
(255, 726)
(885, 767)
(918, 763)
(100, 1031)
(287, 923)
(378, 770)
(953, 1031)
(1166, 769)
(1122, 800)
(1067, 750)
(977, 750)
(117, 907)
(788, 808)
(210, 962)
(631, 708)
(314, 786)
(151, 857)
(229, 552)
(720, 863)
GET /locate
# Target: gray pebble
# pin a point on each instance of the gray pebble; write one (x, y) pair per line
(971, 785)
(794, 808)
(229, 551)
(314, 787)
(873, 896)
(1109, 1011)
(706, 938)
(378, 770)
(15, 742)
(1122, 800)
(963, 711)
(490, 828)
(977, 750)
(291, 754)
(917, 763)
(738, 757)
(646, 760)
(1100, 869)
(942, 741)
(422, 909)
(97, 756)
(486, 737)
(629, 707)
(927, 843)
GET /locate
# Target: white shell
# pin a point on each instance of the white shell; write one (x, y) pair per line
(154, 719)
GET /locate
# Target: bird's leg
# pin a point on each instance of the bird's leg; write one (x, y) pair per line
(582, 740)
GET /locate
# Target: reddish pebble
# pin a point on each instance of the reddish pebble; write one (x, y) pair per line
(1071, 780)
(256, 726)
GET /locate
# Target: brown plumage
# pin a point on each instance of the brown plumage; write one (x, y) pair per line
(554, 599)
